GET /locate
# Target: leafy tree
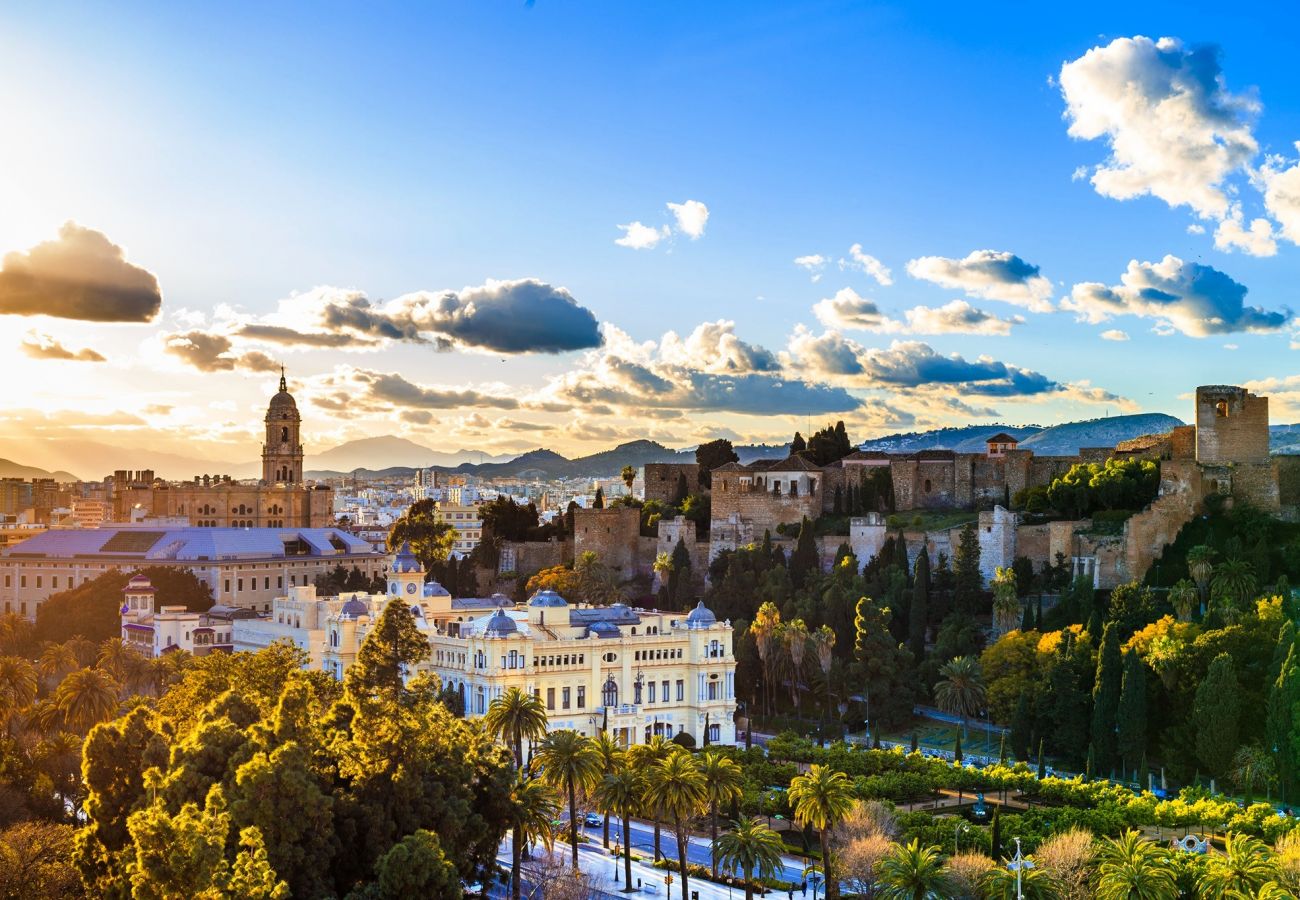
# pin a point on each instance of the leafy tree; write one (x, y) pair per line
(682, 491)
(415, 866)
(1215, 716)
(752, 849)
(431, 540)
(37, 859)
(1105, 699)
(829, 445)
(798, 444)
(712, 454)
(93, 610)
(1280, 723)
(1131, 714)
(821, 798)
(393, 646)
(886, 666)
(251, 875)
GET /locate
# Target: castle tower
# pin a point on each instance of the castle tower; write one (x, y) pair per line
(282, 451)
(1231, 425)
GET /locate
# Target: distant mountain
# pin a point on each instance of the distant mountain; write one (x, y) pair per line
(1055, 440)
(11, 469)
(1284, 439)
(388, 451)
(750, 452)
(91, 460)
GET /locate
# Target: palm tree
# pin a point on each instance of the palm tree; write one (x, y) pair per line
(822, 798)
(1034, 884)
(643, 756)
(628, 475)
(621, 793)
(1252, 768)
(568, 762)
(1200, 565)
(56, 661)
(59, 757)
(1242, 870)
(663, 567)
(611, 759)
(766, 624)
(724, 784)
(533, 808)
(1130, 867)
(1006, 601)
(961, 688)
(514, 716)
(1182, 595)
(676, 787)
(18, 686)
(752, 849)
(1234, 581)
(912, 872)
(795, 638)
(823, 641)
(85, 698)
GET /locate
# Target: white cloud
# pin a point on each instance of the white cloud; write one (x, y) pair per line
(813, 264)
(691, 217)
(1257, 240)
(1230, 347)
(1192, 298)
(1281, 185)
(1195, 229)
(991, 274)
(1173, 128)
(865, 262)
(958, 317)
(849, 310)
(1114, 334)
(641, 237)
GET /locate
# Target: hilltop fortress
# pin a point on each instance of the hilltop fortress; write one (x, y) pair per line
(1226, 452)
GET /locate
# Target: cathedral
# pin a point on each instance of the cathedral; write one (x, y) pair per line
(281, 499)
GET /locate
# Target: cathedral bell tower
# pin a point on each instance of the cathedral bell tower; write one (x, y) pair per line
(282, 451)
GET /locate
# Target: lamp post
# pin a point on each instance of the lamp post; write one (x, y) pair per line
(1018, 865)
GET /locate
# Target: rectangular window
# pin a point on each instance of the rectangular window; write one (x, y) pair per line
(681, 690)
(665, 694)
(651, 696)
(564, 698)
(279, 581)
(550, 698)
(266, 583)
(582, 696)
(54, 581)
(8, 581)
(38, 580)
(239, 584)
(227, 590)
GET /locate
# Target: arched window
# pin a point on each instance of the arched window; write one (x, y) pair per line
(926, 486)
(284, 434)
(1221, 408)
(609, 693)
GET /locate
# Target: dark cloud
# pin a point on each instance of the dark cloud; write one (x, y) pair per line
(44, 346)
(79, 275)
(393, 389)
(290, 337)
(212, 353)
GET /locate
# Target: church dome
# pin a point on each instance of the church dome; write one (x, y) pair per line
(547, 598)
(701, 617)
(434, 589)
(282, 403)
(500, 625)
(354, 609)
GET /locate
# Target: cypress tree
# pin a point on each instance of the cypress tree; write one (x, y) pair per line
(837, 505)
(1215, 716)
(919, 613)
(599, 502)
(798, 445)
(1027, 620)
(1105, 699)
(875, 741)
(1280, 722)
(915, 743)
(804, 561)
(995, 841)
(683, 489)
(1042, 766)
(1022, 724)
(1131, 716)
(1002, 749)
(1038, 610)
(956, 748)
(1090, 771)
(967, 581)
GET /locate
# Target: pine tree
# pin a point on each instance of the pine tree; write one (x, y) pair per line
(1216, 715)
(1131, 716)
(599, 502)
(1105, 698)
(919, 612)
(968, 584)
(798, 445)
(391, 650)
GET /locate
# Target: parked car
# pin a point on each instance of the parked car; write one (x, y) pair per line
(591, 820)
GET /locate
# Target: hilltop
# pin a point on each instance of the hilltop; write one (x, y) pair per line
(1054, 440)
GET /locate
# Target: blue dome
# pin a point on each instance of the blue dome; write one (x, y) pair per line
(547, 598)
(500, 625)
(355, 608)
(433, 589)
(603, 630)
(405, 560)
(701, 617)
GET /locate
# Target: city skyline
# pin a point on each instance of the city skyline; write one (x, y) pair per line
(721, 223)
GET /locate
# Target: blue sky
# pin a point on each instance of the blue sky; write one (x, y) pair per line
(243, 155)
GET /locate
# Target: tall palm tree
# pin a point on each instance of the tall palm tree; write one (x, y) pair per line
(622, 793)
(766, 624)
(752, 849)
(568, 762)
(822, 798)
(85, 698)
(1200, 565)
(1182, 596)
(1006, 600)
(56, 660)
(643, 756)
(795, 638)
(611, 759)
(514, 717)
(676, 787)
(960, 690)
(823, 642)
(1242, 870)
(59, 757)
(1234, 581)
(912, 872)
(1130, 867)
(533, 807)
(724, 784)
(629, 476)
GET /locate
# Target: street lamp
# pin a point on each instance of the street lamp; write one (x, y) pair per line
(1018, 865)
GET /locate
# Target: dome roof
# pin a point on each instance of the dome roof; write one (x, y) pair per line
(355, 609)
(603, 630)
(283, 400)
(547, 598)
(139, 584)
(499, 625)
(405, 560)
(701, 617)
(434, 589)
